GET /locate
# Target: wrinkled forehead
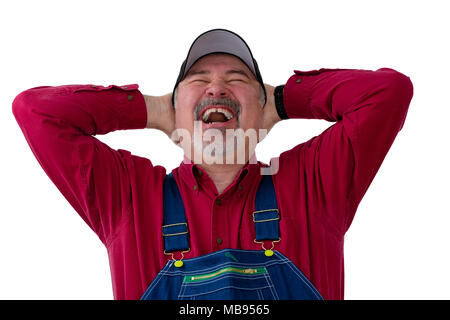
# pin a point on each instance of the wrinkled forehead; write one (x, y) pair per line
(214, 61)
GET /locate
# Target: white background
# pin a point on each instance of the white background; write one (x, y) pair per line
(398, 244)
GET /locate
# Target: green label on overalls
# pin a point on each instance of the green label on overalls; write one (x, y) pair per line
(207, 276)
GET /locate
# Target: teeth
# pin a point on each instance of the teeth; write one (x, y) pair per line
(226, 113)
(207, 113)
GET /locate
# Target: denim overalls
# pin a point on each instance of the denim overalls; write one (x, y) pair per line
(228, 274)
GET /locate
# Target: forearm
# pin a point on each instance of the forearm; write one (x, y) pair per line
(330, 94)
(90, 109)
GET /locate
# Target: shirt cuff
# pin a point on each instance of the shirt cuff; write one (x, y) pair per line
(136, 117)
(296, 96)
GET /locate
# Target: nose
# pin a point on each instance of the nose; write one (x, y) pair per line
(217, 90)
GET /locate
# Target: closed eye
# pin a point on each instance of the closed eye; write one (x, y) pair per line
(199, 80)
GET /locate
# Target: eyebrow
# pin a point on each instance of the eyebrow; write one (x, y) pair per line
(232, 71)
(193, 73)
(238, 71)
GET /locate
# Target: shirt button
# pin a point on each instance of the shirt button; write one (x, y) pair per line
(218, 202)
(240, 187)
(219, 240)
(299, 80)
(130, 97)
(194, 187)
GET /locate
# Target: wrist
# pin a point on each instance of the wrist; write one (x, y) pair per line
(160, 114)
(279, 102)
(271, 116)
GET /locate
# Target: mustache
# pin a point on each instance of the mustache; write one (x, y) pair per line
(233, 104)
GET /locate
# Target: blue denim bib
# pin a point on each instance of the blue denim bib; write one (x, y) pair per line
(229, 274)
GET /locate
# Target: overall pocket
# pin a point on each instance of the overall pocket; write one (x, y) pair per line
(229, 283)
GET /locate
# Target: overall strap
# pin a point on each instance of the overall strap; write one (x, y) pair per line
(266, 216)
(175, 229)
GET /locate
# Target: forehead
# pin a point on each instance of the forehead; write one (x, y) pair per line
(219, 61)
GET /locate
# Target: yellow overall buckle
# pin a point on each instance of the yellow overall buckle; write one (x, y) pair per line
(267, 252)
(178, 263)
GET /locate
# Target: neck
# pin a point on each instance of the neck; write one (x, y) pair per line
(222, 174)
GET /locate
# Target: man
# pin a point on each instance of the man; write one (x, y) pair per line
(124, 198)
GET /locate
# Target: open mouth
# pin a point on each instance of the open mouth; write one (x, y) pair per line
(216, 114)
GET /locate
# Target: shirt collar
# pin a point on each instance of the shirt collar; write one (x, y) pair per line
(196, 178)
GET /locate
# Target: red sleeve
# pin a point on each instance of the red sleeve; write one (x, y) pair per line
(59, 124)
(337, 167)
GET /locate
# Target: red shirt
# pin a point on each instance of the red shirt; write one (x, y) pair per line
(319, 183)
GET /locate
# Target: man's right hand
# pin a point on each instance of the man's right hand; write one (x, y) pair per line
(160, 113)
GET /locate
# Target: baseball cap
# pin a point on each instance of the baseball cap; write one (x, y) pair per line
(219, 41)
